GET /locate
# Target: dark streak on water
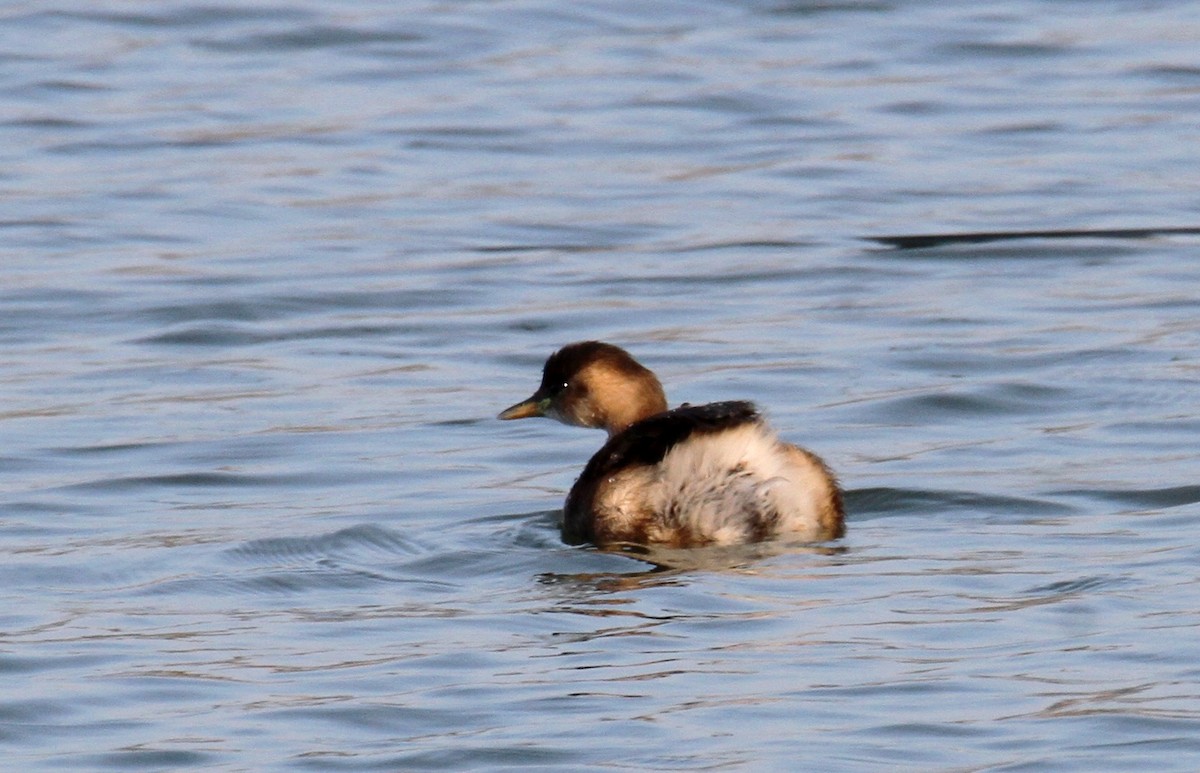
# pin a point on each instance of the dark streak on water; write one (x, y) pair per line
(267, 274)
(919, 241)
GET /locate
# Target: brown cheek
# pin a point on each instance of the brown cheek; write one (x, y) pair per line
(569, 414)
(589, 416)
(584, 412)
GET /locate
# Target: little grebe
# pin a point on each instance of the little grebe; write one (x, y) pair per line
(696, 475)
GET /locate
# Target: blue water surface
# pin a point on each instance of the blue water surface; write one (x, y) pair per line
(269, 270)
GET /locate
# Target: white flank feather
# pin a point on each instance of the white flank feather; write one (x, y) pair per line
(710, 483)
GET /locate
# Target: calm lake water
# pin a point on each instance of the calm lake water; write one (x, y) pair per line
(269, 270)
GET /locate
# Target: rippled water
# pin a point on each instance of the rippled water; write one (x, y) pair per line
(268, 271)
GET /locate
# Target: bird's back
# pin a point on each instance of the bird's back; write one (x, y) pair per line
(701, 475)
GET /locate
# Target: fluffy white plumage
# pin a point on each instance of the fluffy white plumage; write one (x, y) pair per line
(708, 486)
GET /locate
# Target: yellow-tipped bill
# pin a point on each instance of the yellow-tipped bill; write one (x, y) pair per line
(525, 409)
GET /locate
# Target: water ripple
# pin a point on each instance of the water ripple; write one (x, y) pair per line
(885, 501)
(268, 272)
(364, 540)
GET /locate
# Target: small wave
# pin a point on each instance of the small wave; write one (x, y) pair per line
(239, 335)
(308, 37)
(353, 558)
(923, 241)
(1146, 499)
(998, 399)
(884, 501)
(186, 480)
(184, 17)
(353, 541)
(1076, 586)
(537, 530)
(1054, 592)
(151, 759)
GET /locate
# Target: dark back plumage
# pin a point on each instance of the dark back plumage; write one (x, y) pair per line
(645, 443)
